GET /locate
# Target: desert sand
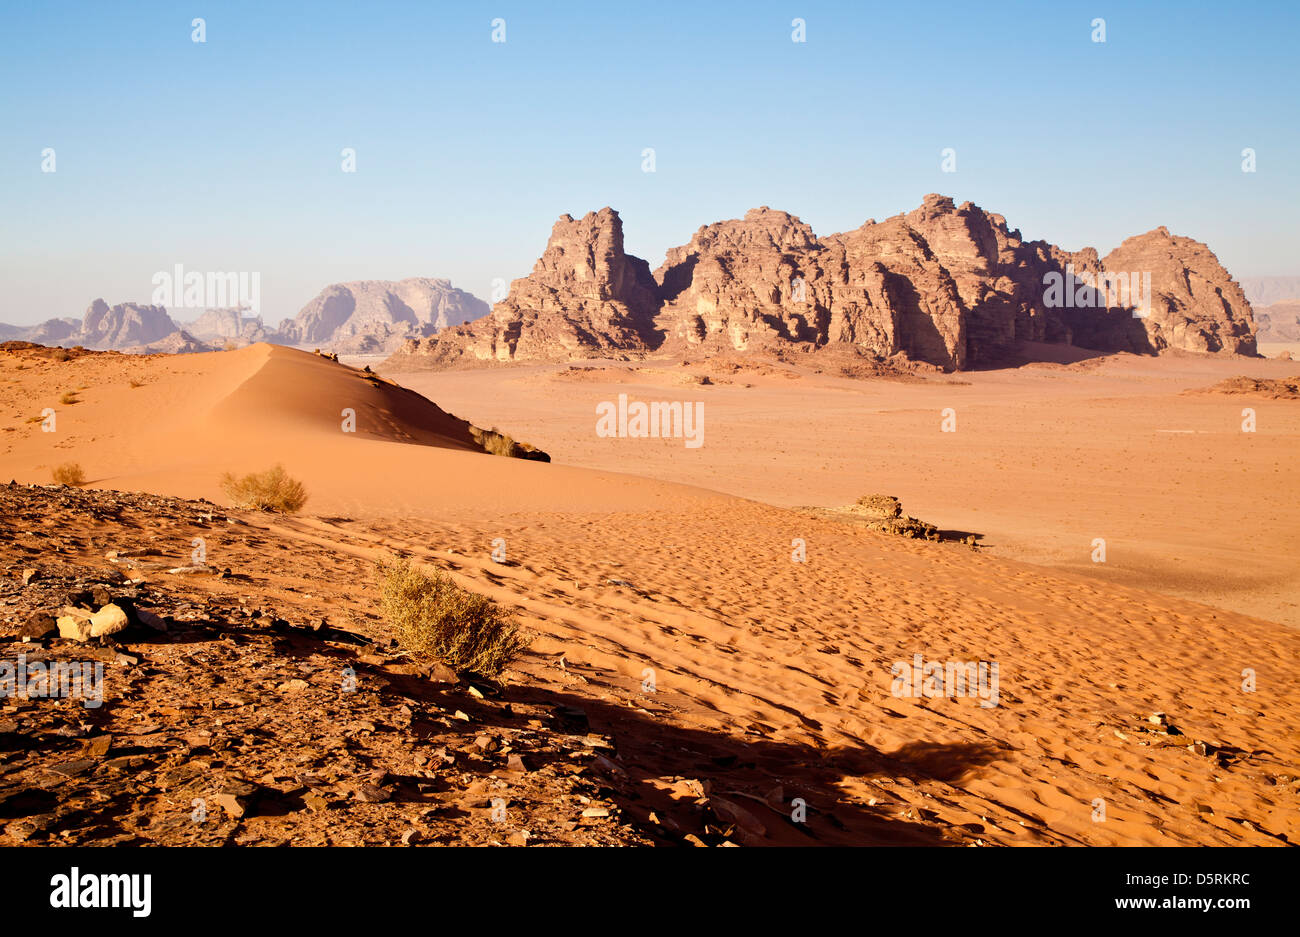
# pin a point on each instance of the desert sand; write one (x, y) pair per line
(641, 560)
(1045, 458)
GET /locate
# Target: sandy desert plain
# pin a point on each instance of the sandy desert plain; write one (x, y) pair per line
(720, 683)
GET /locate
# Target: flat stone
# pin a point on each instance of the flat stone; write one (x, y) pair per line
(108, 620)
(74, 624)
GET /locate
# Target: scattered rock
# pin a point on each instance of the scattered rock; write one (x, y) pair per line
(74, 624)
(38, 625)
(108, 620)
(372, 794)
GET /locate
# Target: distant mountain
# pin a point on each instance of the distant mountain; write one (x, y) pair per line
(950, 285)
(1265, 291)
(53, 331)
(1279, 322)
(103, 327)
(220, 327)
(365, 316)
(179, 342)
(378, 315)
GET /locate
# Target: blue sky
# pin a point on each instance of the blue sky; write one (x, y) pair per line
(226, 155)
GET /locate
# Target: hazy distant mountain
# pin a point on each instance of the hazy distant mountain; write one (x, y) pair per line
(103, 327)
(378, 315)
(222, 326)
(179, 342)
(1279, 322)
(53, 331)
(1265, 291)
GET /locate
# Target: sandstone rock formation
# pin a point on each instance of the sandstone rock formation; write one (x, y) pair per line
(179, 342)
(222, 326)
(945, 284)
(584, 297)
(1196, 305)
(52, 331)
(122, 325)
(377, 315)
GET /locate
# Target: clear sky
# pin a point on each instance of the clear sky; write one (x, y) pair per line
(226, 155)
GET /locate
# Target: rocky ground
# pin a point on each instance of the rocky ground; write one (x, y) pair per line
(237, 708)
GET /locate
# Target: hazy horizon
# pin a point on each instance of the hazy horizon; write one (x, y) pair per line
(227, 155)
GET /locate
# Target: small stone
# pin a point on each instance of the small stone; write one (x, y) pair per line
(411, 836)
(475, 692)
(518, 838)
(150, 620)
(516, 763)
(29, 575)
(440, 673)
(372, 794)
(97, 747)
(292, 686)
(190, 570)
(486, 743)
(730, 812)
(316, 801)
(74, 624)
(232, 804)
(592, 812)
(38, 626)
(108, 620)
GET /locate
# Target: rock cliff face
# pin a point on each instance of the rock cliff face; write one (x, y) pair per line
(122, 326)
(953, 286)
(1196, 305)
(377, 315)
(585, 297)
(946, 284)
(221, 326)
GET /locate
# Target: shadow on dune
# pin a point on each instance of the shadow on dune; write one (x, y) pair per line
(739, 772)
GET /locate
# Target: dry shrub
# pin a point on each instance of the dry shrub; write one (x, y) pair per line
(435, 618)
(69, 397)
(272, 490)
(69, 473)
(496, 442)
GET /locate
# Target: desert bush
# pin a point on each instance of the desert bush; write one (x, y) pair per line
(435, 618)
(69, 473)
(69, 397)
(496, 442)
(134, 383)
(272, 490)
